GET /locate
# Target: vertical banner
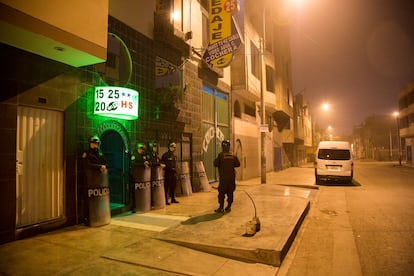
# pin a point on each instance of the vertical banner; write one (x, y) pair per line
(224, 38)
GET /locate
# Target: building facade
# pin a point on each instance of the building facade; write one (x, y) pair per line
(260, 71)
(52, 102)
(304, 151)
(406, 121)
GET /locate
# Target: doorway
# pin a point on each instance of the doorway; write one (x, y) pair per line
(113, 148)
(39, 166)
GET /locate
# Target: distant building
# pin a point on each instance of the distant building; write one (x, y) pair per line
(406, 120)
(376, 139)
(303, 131)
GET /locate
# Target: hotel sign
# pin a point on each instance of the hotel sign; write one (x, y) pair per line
(116, 102)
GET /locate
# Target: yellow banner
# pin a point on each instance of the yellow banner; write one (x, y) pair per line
(220, 27)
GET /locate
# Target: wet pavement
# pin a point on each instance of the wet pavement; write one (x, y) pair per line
(187, 238)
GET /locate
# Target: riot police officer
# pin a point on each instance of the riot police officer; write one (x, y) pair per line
(170, 160)
(226, 162)
(92, 158)
(157, 181)
(93, 164)
(153, 156)
(139, 162)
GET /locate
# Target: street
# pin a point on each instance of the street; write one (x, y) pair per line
(362, 229)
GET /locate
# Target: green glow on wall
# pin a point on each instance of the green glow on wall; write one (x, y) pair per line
(116, 102)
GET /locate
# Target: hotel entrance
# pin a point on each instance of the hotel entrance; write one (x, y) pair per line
(115, 152)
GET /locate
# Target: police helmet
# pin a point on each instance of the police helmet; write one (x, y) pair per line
(152, 144)
(94, 139)
(225, 145)
(141, 146)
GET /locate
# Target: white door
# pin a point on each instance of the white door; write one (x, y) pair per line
(39, 166)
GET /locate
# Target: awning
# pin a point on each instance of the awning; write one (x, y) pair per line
(282, 119)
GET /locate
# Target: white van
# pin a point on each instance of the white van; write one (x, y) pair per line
(333, 160)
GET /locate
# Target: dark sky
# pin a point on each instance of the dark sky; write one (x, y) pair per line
(355, 54)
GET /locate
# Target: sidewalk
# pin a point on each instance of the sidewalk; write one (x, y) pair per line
(182, 239)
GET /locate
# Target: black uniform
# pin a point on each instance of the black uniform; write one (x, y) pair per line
(226, 162)
(139, 163)
(91, 163)
(170, 161)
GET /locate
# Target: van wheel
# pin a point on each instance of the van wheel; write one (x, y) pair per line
(351, 177)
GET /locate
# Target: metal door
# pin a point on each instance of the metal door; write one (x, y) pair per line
(39, 166)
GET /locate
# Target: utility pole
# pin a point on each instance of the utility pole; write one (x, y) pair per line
(399, 141)
(262, 117)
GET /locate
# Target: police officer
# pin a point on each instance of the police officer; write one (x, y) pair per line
(139, 162)
(157, 187)
(226, 162)
(170, 160)
(93, 165)
(153, 156)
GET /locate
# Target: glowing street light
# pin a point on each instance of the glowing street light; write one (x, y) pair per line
(325, 106)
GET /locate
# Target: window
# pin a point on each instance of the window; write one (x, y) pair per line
(237, 111)
(177, 14)
(255, 58)
(250, 110)
(334, 154)
(270, 83)
(268, 32)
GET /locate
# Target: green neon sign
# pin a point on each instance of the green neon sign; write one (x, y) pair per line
(116, 102)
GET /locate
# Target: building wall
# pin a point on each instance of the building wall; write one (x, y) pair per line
(32, 81)
(406, 120)
(42, 83)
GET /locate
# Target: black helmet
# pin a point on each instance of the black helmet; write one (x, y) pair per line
(94, 139)
(225, 145)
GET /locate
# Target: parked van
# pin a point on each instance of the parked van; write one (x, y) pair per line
(333, 160)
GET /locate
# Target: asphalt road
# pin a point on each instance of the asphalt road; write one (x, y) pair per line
(366, 228)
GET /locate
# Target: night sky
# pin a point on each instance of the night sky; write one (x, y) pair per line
(356, 55)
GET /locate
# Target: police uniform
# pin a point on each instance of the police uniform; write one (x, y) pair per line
(139, 162)
(226, 162)
(170, 182)
(93, 159)
(92, 164)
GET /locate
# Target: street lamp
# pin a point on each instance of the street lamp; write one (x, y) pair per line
(325, 106)
(397, 117)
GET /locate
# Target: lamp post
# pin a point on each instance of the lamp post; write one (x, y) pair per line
(262, 119)
(397, 117)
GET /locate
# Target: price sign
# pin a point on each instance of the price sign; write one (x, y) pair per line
(116, 102)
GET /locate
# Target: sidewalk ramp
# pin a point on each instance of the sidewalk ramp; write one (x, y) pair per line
(223, 234)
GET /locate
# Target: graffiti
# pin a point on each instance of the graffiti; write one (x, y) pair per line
(210, 134)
